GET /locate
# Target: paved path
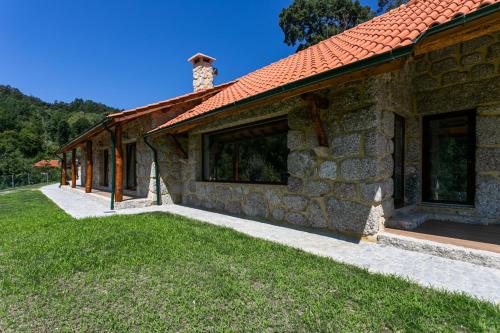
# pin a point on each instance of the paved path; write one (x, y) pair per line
(427, 270)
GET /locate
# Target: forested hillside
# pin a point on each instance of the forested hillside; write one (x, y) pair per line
(31, 129)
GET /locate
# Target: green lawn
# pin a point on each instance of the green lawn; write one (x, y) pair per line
(158, 272)
(23, 188)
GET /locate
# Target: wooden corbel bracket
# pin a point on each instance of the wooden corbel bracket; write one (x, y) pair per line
(178, 148)
(314, 104)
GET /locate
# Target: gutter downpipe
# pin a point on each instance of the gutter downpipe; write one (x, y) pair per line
(362, 64)
(157, 170)
(113, 166)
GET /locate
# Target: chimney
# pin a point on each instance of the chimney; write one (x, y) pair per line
(203, 71)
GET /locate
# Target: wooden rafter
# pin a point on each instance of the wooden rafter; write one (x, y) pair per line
(314, 104)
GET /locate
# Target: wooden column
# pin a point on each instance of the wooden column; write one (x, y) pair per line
(73, 168)
(118, 164)
(88, 178)
(63, 170)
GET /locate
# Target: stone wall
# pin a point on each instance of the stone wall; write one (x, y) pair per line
(170, 172)
(460, 77)
(346, 186)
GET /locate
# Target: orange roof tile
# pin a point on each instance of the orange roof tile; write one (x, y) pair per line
(47, 163)
(395, 29)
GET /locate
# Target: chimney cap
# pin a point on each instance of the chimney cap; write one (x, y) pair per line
(194, 59)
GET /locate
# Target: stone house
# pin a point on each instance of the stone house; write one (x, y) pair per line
(391, 123)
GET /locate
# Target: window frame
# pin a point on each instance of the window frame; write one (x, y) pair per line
(471, 168)
(128, 163)
(257, 124)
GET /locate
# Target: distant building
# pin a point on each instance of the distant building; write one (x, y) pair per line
(47, 164)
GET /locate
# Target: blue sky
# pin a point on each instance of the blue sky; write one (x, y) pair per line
(131, 53)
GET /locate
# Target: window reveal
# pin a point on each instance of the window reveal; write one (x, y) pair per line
(131, 166)
(255, 153)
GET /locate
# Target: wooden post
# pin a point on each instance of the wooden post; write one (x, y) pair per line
(118, 164)
(73, 168)
(88, 178)
(63, 170)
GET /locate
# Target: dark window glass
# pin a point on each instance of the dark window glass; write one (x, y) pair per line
(256, 153)
(131, 166)
(399, 158)
(105, 168)
(449, 148)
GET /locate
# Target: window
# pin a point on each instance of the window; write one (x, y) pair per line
(254, 153)
(131, 166)
(448, 158)
(105, 168)
(399, 161)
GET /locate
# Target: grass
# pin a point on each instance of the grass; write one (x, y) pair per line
(158, 272)
(23, 188)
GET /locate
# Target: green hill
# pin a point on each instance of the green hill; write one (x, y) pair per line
(31, 129)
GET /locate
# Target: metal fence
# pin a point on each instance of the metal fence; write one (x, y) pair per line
(29, 178)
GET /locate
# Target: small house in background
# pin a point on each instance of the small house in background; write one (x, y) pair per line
(47, 164)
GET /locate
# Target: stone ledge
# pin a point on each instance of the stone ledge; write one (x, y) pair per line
(215, 183)
(473, 256)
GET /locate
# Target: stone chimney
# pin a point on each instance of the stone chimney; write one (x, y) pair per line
(203, 71)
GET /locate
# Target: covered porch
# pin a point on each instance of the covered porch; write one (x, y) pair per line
(109, 156)
(479, 237)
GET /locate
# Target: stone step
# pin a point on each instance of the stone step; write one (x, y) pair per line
(406, 220)
(454, 252)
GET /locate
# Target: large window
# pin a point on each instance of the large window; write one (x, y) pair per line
(255, 153)
(448, 165)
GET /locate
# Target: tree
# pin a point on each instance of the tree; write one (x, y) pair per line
(31, 129)
(63, 132)
(80, 126)
(386, 5)
(307, 22)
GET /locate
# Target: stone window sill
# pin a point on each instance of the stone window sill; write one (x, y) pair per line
(446, 205)
(238, 183)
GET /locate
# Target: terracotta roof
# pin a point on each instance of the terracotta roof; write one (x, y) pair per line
(117, 117)
(395, 29)
(171, 101)
(47, 163)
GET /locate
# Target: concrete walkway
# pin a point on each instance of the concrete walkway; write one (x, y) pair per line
(424, 269)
